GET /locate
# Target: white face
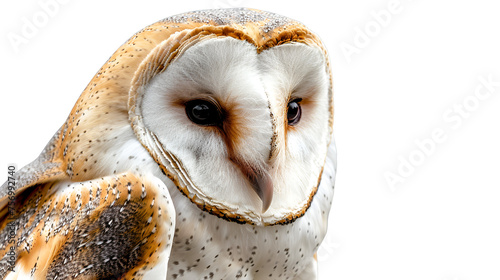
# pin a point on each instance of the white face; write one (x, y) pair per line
(231, 117)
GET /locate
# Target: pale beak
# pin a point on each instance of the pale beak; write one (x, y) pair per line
(261, 183)
(263, 186)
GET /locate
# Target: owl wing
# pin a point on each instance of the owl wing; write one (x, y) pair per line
(46, 167)
(116, 227)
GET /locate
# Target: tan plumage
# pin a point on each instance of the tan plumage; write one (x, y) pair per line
(106, 116)
(89, 219)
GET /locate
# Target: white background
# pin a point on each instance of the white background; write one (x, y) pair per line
(440, 221)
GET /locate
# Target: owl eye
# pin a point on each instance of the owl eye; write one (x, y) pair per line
(203, 112)
(294, 111)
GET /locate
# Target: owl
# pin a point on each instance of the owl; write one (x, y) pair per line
(202, 149)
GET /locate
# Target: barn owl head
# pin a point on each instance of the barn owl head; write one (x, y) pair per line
(237, 112)
(234, 106)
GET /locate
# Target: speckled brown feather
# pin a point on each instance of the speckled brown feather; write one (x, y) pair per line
(108, 227)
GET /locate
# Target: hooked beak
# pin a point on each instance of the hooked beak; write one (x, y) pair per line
(261, 183)
(263, 186)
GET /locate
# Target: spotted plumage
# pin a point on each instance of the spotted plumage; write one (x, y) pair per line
(200, 150)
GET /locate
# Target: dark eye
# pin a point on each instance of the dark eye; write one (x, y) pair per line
(294, 111)
(203, 112)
